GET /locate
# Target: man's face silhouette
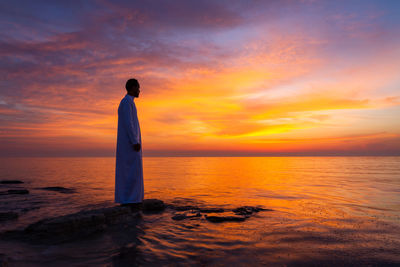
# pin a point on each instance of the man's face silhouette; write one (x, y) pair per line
(135, 91)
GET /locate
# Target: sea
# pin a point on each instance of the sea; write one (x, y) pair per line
(323, 211)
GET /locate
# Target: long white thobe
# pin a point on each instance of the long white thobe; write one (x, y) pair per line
(129, 168)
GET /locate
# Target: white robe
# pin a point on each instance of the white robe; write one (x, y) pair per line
(129, 168)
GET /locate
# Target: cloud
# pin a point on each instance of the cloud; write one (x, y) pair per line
(221, 74)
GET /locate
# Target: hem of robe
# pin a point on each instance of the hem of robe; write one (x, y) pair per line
(122, 202)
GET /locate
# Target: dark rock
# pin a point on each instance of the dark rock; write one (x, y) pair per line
(18, 191)
(133, 206)
(153, 205)
(11, 182)
(236, 215)
(59, 189)
(82, 224)
(78, 224)
(248, 210)
(227, 218)
(213, 210)
(4, 216)
(185, 215)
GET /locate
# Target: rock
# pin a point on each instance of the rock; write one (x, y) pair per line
(11, 182)
(236, 215)
(227, 218)
(248, 210)
(82, 223)
(78, 224)
(153, 205)
(4, 216)
(178, 216)
(213, 210)
(59, 189)
(133, 206)
(18, 191)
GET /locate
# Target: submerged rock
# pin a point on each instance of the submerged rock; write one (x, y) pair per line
(185, 215)
(11, 182)
(225, 218)
(18, 191)
(59, 189)
(217, 214)
(153, 205)
(192, 207)
(248, 210)
(213, 210)
(4, 216)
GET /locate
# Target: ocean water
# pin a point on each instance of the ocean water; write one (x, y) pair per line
(326, 211)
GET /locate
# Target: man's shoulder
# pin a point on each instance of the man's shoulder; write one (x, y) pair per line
(125, 100)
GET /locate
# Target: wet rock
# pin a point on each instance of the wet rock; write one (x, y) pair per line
(248, 210)
(78, 224)
(11, 182)
(153, 205)
(5, 216)
(178, 216)
(213, 210)
(59, 189)
(133, 206)
(18, 191)
(236, 215)
(225, 218)
(81, 224)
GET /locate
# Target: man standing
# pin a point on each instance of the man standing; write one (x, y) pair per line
(129, 168)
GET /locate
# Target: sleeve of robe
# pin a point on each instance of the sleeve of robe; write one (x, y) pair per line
(128, 121)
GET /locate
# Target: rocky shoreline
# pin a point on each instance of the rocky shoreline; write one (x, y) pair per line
(85, 223)
(77, 226)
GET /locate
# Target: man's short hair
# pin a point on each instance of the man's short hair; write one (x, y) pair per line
(131, 83)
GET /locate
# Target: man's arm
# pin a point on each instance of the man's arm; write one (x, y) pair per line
(129, 126)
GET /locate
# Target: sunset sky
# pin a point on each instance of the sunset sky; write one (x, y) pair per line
(217, 77)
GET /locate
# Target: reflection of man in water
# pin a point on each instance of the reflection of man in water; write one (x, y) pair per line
(129, 169)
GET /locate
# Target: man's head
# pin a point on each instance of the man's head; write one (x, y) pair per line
(132, 87)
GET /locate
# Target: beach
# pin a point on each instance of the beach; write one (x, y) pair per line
(315, 211)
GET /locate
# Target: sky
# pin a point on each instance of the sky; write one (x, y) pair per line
(218, 78)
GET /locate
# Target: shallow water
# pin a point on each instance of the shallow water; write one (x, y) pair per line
(326, 210)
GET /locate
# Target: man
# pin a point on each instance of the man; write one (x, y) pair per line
(129, 168)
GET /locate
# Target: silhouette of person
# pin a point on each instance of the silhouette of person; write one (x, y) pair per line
(129, 167)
